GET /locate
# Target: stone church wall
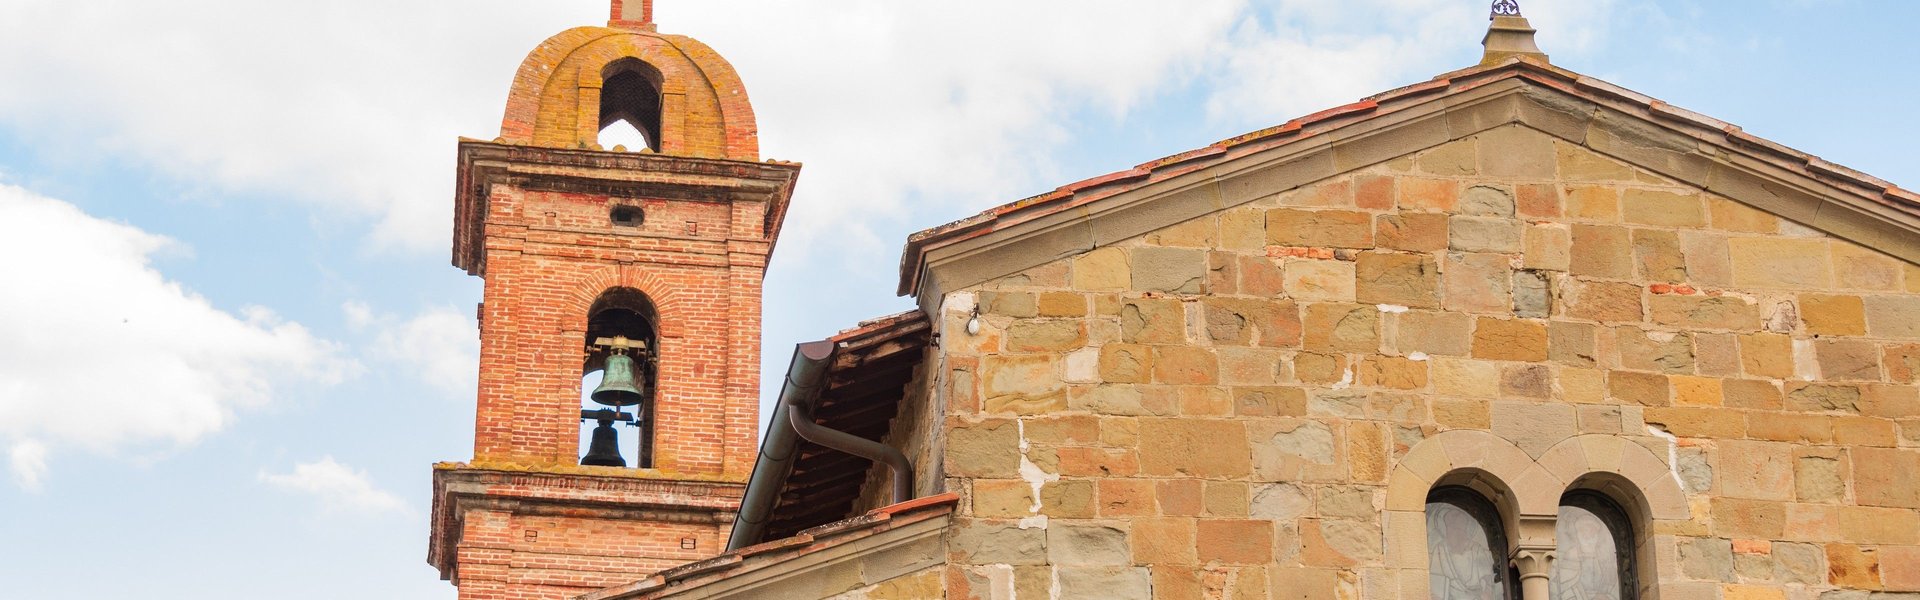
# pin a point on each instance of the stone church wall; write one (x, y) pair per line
(1255, 404)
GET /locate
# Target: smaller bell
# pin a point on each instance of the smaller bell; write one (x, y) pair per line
(604, 451)
(620, 386)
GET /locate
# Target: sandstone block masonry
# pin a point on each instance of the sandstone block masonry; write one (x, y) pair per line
(1253, 404)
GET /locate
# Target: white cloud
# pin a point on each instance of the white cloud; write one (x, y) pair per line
(28, 460)
(84, 309)
(440, 346)
(352, 106)
(909, 112)
(337, 487)
(893, 103)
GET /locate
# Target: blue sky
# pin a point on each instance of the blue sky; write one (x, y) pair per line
(231, 343)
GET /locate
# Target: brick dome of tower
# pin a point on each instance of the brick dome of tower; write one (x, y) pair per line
(685, 98)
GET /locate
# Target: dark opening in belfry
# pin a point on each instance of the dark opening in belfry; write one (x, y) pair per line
(618, 380)
(630, 104)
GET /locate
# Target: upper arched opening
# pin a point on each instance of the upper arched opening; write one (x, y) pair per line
(678, 94)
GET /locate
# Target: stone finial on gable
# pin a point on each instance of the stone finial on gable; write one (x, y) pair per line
(1510, 35)
(631, 14)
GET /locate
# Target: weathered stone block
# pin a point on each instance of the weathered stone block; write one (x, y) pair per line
(1243, 229)
(1863, 269)
(1062, 304)
(1654, 350)
(1510, 339)
(1571, 343)
(1194, 448)
(989, 541)
(1663, 208)
(1819, 479)
(1708, 263)
(1854, 567)
(1731, 215)
(1050, 335)
(1775, 262)
(1462, 413)
(1547, 246)
(1342, 328)
(1087, 544)
(1152, 321)
(1002, 498)
(1454, 158)
(1266, 323)
(1484, 234)
(1599, 203)
(1751, 393)
(1093, 583)
(1433, 333)
(1196, 233)
(1705, 312)
(1470, 378)
(1477, 283)
(1829, 314)
(1012, 304)
(1821, 397)
(1601, 251)
(1104, 268)
(1418, 232)
(1756, 470)
(1434, 195)
(1893, 317)
(1411, 280)
(1885, 477)
(1487, 201)
(1748, 519)
(1581, 164)
(1163, 540)
(1848, 359)
(1534, 427)
(1022, 384)
(1171, 270)
(1657, 254)
(1538, 200)
(1234, 541)
(1339, 543)
(1766, 355)
(1319, 228)
(1319, 280)
(1185, 365)
(984, 449)
(1268, 401)
(1645, 389)
(1515, 151)
(1532, 294)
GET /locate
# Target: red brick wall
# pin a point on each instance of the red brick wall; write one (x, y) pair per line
(550, 255)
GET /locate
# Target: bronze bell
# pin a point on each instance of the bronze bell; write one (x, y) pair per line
(620, 386)
(605, 449)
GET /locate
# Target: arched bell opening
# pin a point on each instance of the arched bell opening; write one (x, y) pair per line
(630, 105)
(617, 382)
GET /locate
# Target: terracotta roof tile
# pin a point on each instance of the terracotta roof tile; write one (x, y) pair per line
(1534, 71)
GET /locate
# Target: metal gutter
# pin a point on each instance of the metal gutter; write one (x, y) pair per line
(804, 378)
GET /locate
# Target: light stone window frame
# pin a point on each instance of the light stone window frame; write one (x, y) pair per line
(1526, 490)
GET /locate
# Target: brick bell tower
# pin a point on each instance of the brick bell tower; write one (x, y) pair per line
(642, 265)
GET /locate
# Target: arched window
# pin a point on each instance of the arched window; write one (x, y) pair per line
(1593, 550)
(1466, 548)
(621, 313)
(630, 96)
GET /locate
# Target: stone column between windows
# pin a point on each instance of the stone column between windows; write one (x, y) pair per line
(1533, 563)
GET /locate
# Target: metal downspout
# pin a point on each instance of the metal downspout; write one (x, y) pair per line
(770, 471)
(792, 420)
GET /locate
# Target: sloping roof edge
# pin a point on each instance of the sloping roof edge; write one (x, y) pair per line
(1875, 194)
(843, 535)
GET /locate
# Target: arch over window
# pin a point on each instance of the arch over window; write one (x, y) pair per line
(1593, 549)
(629, 313)
(1466, 548)
(630, 95)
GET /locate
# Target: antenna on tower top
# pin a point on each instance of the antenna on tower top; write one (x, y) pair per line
(1505, 8)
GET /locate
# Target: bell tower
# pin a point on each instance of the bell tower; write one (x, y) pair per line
(633, 271)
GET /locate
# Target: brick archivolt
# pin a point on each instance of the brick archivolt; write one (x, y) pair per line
(1527, 489)
(665, 301)
(555, 97)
